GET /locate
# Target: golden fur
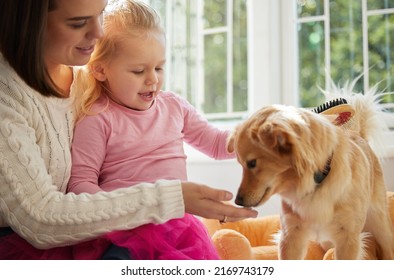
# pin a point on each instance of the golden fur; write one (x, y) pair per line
(281, 148)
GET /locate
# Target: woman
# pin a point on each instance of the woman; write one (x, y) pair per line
(39, 40)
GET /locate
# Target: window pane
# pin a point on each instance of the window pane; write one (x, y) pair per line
(311, 63)
(381, 52)
(182, 45)
(346, 42)
(183, 50)
(223, 91)
(380, 4)
(240, 57)
(307, 8)
(215, 13)
(215, 67)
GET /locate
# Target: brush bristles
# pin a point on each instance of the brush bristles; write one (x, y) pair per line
(329, 104)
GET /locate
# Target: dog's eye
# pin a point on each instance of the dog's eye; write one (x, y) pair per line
(251, 164)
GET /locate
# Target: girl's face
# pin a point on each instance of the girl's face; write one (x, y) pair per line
(72, 31)
(135, 75)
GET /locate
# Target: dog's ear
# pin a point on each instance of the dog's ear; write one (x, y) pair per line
(230, 143)
(273, 136)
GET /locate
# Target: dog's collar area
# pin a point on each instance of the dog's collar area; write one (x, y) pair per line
(320, 175)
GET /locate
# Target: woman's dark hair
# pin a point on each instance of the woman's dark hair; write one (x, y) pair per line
(23, 25)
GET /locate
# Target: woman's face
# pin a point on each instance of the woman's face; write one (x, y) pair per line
(72, 31)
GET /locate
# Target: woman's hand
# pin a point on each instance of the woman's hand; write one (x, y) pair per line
(211, 203)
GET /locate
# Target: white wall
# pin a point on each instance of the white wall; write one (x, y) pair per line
(227, 175)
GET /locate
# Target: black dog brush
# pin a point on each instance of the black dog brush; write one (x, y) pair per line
(329, 104)
(338, 107)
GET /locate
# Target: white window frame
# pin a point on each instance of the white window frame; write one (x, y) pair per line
(272, 52)
(228, 30)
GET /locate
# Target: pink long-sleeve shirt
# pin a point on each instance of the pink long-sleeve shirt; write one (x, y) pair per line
(119, 147)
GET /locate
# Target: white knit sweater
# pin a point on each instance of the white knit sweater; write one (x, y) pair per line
(35, 162)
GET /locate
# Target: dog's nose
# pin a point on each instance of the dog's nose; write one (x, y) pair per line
(239, 200)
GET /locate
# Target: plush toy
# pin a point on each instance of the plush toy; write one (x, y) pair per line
(255, 239)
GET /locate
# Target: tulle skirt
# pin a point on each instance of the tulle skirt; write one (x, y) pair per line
(178, 239)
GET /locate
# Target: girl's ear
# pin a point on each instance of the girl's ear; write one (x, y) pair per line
(98, 72)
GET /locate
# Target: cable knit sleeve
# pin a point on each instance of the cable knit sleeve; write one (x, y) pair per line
(34, 170)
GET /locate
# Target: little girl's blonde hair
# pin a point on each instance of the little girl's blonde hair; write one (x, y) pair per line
(126, 18)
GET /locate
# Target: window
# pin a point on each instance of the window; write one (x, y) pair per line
(356, 37)
(231, 57)
(207, 43)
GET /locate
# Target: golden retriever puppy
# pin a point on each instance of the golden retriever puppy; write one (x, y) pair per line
(329, 179)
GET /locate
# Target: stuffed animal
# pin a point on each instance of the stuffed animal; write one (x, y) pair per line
(256, 239)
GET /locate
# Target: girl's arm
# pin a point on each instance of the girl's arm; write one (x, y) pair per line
(203, 136)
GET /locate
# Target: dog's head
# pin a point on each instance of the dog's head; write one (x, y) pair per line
(280, 148)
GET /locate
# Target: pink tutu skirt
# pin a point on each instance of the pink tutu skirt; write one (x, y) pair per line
(178, 239)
